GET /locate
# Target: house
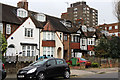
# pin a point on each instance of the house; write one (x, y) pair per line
(36, 34)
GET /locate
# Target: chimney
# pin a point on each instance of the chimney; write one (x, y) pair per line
(23, 4)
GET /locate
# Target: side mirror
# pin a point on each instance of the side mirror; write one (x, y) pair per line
(47, 65)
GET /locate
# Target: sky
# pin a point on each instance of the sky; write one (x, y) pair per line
(56, 7)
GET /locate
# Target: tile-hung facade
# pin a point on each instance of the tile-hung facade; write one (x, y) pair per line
(110, 29)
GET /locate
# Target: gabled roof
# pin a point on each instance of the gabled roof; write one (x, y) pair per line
(48, 27)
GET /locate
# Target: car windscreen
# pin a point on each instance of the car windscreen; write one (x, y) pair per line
(39, 62)
(83, 59)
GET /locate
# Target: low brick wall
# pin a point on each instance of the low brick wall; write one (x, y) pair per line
(12, 68)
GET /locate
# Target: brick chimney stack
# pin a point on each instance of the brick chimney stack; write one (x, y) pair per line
(23, 4)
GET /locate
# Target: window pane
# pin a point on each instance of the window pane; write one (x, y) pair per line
(1, 27)
(25, 32)
(31, 32)
(51, 62)
(60, 62)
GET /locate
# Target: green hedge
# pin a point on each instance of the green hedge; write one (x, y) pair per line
(94, 65)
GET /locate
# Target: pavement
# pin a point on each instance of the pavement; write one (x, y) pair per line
(91, 71)
(81, 73)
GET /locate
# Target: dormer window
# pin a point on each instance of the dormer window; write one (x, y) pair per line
(84, 28)
(41, 17)
(22, 13)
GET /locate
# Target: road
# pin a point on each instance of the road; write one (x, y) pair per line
(105, 76)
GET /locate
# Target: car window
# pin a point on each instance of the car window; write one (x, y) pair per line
(60, 62)
(82, 59)
(51, 62)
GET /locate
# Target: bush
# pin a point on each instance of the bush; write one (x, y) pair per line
(94, 65)
(69, 63)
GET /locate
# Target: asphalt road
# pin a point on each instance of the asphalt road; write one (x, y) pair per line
(106, 76)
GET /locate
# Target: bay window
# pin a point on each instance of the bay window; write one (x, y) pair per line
(48, 51)
(28, 50)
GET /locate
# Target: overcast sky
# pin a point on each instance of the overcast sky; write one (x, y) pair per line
(56, 7)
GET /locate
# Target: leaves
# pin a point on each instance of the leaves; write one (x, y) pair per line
(108, 47)
(3, 44)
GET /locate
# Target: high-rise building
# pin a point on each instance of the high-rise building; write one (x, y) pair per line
(80, 13)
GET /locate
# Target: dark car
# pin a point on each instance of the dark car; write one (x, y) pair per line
(46, 68)
(2, 71)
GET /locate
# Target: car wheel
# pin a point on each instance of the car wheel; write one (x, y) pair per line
(66, 75)
(41, 76)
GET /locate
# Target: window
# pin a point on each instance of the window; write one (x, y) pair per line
(60, 36)
(60, 62)
(48, 35)
(41, 17)
(51, 62)
(76, 38)
(32, 50)
(65, 37)
(75, 9)
(91, 41)
(28, 32)
(28, 50)
(83, 42)
(22, 13)
(110, 28)
(48, 51)
(8, 29)
(1, 27)
(24, 50)
(116, 27)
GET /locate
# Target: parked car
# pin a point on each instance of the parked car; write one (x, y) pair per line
(80, 60)
(2, 71)
(45, 68)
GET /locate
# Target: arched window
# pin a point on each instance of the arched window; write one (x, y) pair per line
(22, 13)
(11, 46)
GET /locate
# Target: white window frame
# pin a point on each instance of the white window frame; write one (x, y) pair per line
(22, 13)
(29, 32)
(23, 50)
(110, 28)
(49, 50)
(48, 35)
(116, 27)
(1, 27)
(8, 29)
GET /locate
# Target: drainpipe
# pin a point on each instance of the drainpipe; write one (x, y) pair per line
(39, 42)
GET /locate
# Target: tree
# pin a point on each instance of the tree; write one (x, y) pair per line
(108, 47)
(3, 45)
(117, 9)
(102, 48)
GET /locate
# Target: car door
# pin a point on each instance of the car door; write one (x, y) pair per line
(60, 66)
(51, 68)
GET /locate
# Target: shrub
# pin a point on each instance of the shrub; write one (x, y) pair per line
(69, 63)
(94, 65)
